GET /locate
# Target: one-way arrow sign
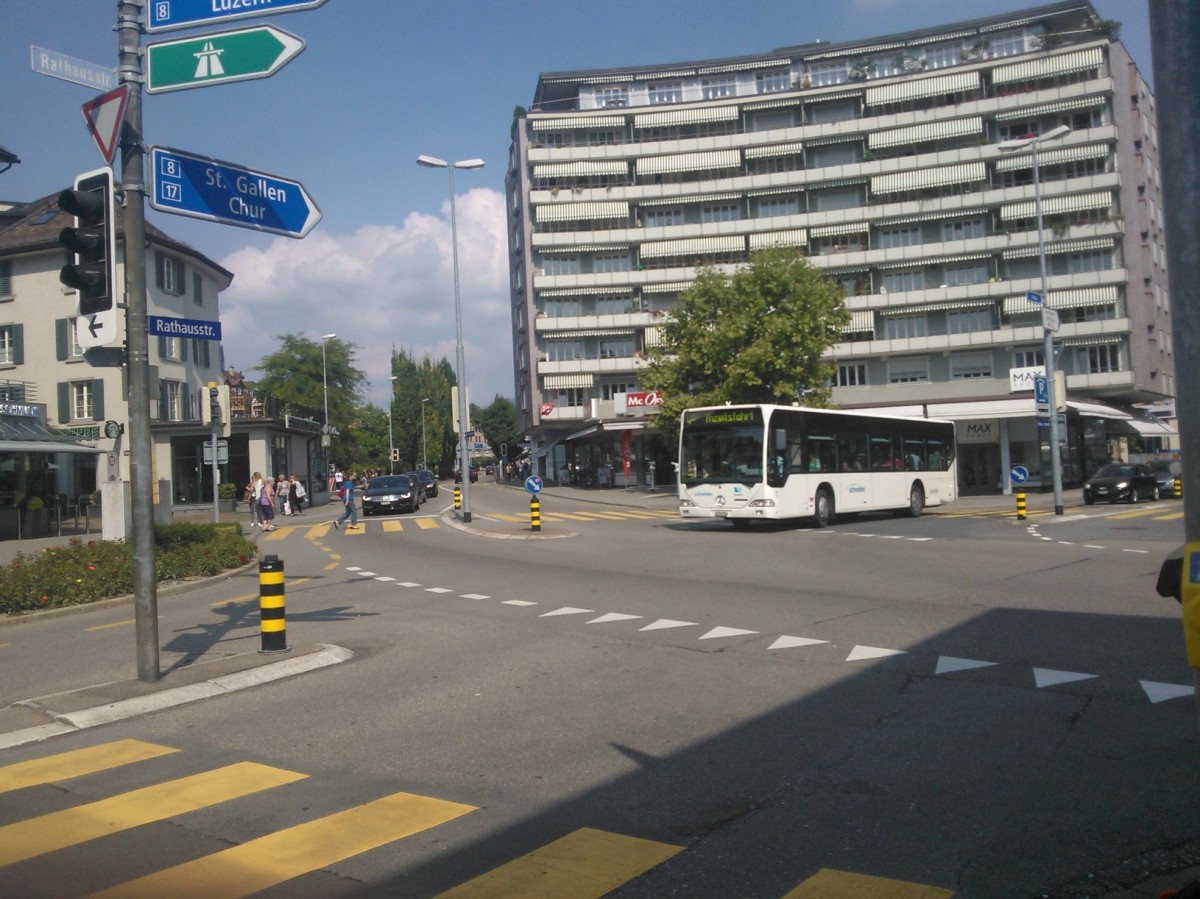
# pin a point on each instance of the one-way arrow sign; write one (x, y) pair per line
(219, 58)
(206, 188)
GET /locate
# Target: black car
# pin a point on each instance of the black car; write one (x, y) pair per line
(429, 480)
(1165, 471)
(474, 475)
(1120, 481)
(391, 493)
(415, 477)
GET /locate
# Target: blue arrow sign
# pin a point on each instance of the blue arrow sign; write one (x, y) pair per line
(533, 484)
(165, 15)
(206, 188)
(1019, 474)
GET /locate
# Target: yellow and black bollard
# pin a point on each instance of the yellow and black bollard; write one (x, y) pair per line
(535, 513)
(457, 498)
(1020, 507)
(1178, 491)
(271, 612)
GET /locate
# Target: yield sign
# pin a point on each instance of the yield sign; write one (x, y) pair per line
(104, 116)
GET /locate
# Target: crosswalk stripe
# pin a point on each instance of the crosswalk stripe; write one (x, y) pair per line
(392, 526)
(586, 864)
(70, 827)
(426, 524)
(78, 763)
(830, 884)
(278, 857)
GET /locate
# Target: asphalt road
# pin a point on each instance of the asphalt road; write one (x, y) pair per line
(983, 707)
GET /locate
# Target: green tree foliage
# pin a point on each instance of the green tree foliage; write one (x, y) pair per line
(414, 382)
(756, 336)
(499, 424)
(295, 374)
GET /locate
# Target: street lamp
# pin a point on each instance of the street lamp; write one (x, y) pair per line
(391, 442)
(1009, 146)
(464, 459)
(424, 455)
(324, 380)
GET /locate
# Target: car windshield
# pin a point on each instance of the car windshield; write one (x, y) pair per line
(1166, 466)
(1115, 471)
(389, 482)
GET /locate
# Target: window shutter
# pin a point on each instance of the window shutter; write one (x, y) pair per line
(97, 399)
(62, 339)
(162, 347)
(18, 344)
(164, 406)
(64, 402)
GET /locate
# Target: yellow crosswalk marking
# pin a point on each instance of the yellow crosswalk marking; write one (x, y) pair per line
(280, 856)
(585, 864)
(392, 525)
(316, 532)
(77, 763)
(70, 827)
(426, 524)
(830, 884)
(1134, 513)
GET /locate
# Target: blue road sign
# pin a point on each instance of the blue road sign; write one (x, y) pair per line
(206, 188)
(1033, 297)
(1041, 389)
(165, 15)
(533, 484)
(197, 329)
(1019, 474)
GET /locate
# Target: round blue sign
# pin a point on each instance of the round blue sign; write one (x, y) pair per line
(533, 484)
(1020, 474)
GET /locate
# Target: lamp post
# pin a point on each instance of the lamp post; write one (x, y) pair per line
(391, 441)
(1047, 335)
(464, 459)
(424, 455)
(324, 379)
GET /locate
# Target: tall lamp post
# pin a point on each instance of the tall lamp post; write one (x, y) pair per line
(324, 379)
(464, 459)
(424, 455)
(1032, 143)
(391, 441)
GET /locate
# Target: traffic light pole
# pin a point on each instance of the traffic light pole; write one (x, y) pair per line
(130, 15)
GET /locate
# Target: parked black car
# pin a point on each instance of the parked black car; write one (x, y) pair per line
(1120, 481)
(391, 493)
(1165, 471)
(474, 475)
(429, 480)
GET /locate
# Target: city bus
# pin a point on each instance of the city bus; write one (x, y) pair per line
(764, 462)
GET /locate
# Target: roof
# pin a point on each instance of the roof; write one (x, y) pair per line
(35, 226)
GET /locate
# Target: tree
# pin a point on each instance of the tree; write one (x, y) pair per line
(297, 373)
(423, 430)
(756, 336)
(499, 424)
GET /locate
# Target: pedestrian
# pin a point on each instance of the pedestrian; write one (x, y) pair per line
(254, 492)
(351, 510)
(281, 494)
(295, 495)
(266, 504)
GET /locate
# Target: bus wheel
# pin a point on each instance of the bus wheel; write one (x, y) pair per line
(916, 501)
(823, 509)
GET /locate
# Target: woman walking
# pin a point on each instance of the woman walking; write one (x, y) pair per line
(267, 504)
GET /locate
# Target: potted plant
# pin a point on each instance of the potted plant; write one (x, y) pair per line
(37, 517)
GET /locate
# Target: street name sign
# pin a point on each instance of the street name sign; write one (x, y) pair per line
(239, 55)
(68, 68)
(197, 329)
(206, 188)
(1033, 297)
(166, 15)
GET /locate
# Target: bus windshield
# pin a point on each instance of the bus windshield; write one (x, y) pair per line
(728, 454)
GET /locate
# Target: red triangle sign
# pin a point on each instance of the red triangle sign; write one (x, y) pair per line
(104, 116)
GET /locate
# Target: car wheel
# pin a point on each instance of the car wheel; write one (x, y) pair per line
(916, 501)
(1134, 496)
(823, 511)
(1155, 495)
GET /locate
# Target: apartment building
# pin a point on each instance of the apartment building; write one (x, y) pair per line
(882, 160)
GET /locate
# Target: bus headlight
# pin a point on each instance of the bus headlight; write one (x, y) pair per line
(762, 504)
(686, 502)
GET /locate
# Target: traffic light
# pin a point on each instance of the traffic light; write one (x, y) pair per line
(216, 407)
(395, 455)
(92, 241)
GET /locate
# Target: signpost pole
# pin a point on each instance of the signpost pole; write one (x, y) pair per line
(216, 469)
(130, 15)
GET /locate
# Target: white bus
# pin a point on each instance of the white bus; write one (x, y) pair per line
(775, 462)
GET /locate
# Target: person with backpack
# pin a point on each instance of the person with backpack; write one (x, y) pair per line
(351, 510)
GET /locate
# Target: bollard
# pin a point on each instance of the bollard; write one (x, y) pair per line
(272, 619)
(1020, 507)
(457, 498)
(1178, 491)
(535, 514)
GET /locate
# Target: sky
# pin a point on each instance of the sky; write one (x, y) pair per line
(379, 83)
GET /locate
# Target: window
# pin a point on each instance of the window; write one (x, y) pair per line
(610, 391)
(943, 56)
(900, 237)
(171, 399)
(660, 217)
(564, 350)
(559, 308)
(75, 350)
(769, 82)
(1098, 359)
(716, 88)
(616, 348)
(792, 162)
(170, 348)
(5, 278)
(612, 97)
(966, 321)
(907, 371)
(898, 282)
(81, 400)
(666, 92)
(957, 275)
(613, 262)
(1007, 45)
(903, 326)
(200, 352)
(853, 374)
(1028, 358)
(772, 206)
(9, 339)
(168, 273)
(560, 265)
(197, 289)
(1094, 261)
(725, 212)
(970, 365)
(614, 305)
(574, 396)
(828, 73)
(963, 230)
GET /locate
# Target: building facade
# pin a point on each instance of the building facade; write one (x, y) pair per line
(77, 410)
(882, 160)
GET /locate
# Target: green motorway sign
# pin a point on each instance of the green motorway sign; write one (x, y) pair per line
(218, 58)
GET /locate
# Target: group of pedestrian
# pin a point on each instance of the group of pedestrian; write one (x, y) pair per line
(265, 494)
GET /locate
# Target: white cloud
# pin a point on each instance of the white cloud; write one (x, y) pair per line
(381, 286)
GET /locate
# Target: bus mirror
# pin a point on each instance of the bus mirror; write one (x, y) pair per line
(780, 439)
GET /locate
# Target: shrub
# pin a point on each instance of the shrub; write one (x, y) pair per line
(84, 572)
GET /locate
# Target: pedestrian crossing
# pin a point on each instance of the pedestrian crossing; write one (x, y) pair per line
(586, 863)
(317, 530)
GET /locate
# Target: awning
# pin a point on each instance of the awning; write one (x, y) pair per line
(564, 382)
(44, 446)
(797, 237)
(774, 150)
(1048, 66)
(685, 116)
(915, 88)
(1024, 160)
(1030, 113)
(581, 168)
(564, 123)
(1151, 428)
(1054, 205)
(632, 425)
(918, 179)
(689, 162)
(1099, 410)
(916, 134)
(694, 245)
(568, 212)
